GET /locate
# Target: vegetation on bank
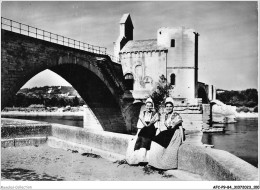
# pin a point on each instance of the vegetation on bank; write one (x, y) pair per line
(245, 100)
(48, 96)
(62, 96)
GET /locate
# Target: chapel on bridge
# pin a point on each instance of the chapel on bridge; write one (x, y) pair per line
(174, 54)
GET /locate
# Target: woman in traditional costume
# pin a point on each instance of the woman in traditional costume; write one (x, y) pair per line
(140, 144)
(163, 152)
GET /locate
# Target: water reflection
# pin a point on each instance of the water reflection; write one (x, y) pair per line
(240, 139)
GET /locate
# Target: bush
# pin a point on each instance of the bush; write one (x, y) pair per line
(243, 109)
(251, 104)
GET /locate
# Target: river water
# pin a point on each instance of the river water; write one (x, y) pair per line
(76, 121)
(240, 139)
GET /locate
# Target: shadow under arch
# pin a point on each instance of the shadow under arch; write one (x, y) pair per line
(96, 94)
(93, 91)
(132, 117)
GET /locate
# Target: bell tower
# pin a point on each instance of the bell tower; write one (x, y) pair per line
(126, 33)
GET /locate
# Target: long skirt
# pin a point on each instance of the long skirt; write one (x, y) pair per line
(164, 138)
(145, 137)
(134, 157)
(139, 144)
(165, 158)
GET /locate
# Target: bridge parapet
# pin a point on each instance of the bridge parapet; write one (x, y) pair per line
(210, 164)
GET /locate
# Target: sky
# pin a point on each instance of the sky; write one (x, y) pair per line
(228, 41)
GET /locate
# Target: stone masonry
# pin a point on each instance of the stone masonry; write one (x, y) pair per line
(98, 80)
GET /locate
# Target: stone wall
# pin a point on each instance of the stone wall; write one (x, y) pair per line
(214, 164)
(192, 122)
(12, 129)
(16, 132)
(211, 164)
(146, 67)
(102, 140)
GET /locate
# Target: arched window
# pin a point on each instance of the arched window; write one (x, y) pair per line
(172, 42)
(172, 79)
(129, 81)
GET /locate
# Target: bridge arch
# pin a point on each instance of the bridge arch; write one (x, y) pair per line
(97, 79)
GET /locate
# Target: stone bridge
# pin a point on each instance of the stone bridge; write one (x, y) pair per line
(98, 80)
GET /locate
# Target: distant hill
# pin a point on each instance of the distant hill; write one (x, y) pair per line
(48, 96)
(54, 90)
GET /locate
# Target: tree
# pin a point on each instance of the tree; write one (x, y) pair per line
(62, 102)
(75, 101)
(248, 97)
(252, 95)
(53, 101)
(19, 99)
(81, 101)
(160, 92)
(47, 102)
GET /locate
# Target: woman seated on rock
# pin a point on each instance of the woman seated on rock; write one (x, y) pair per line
(163, 153)
(140, 144)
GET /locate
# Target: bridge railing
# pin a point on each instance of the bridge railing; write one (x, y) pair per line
(31, 31)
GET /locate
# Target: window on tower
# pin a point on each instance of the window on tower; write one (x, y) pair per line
(129, 81)
(172, 42)
(172, 79)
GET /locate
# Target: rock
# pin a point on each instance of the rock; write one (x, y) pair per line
(222, 113)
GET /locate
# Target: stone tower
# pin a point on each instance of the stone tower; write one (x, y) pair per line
(182, 59)
(125, 34)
